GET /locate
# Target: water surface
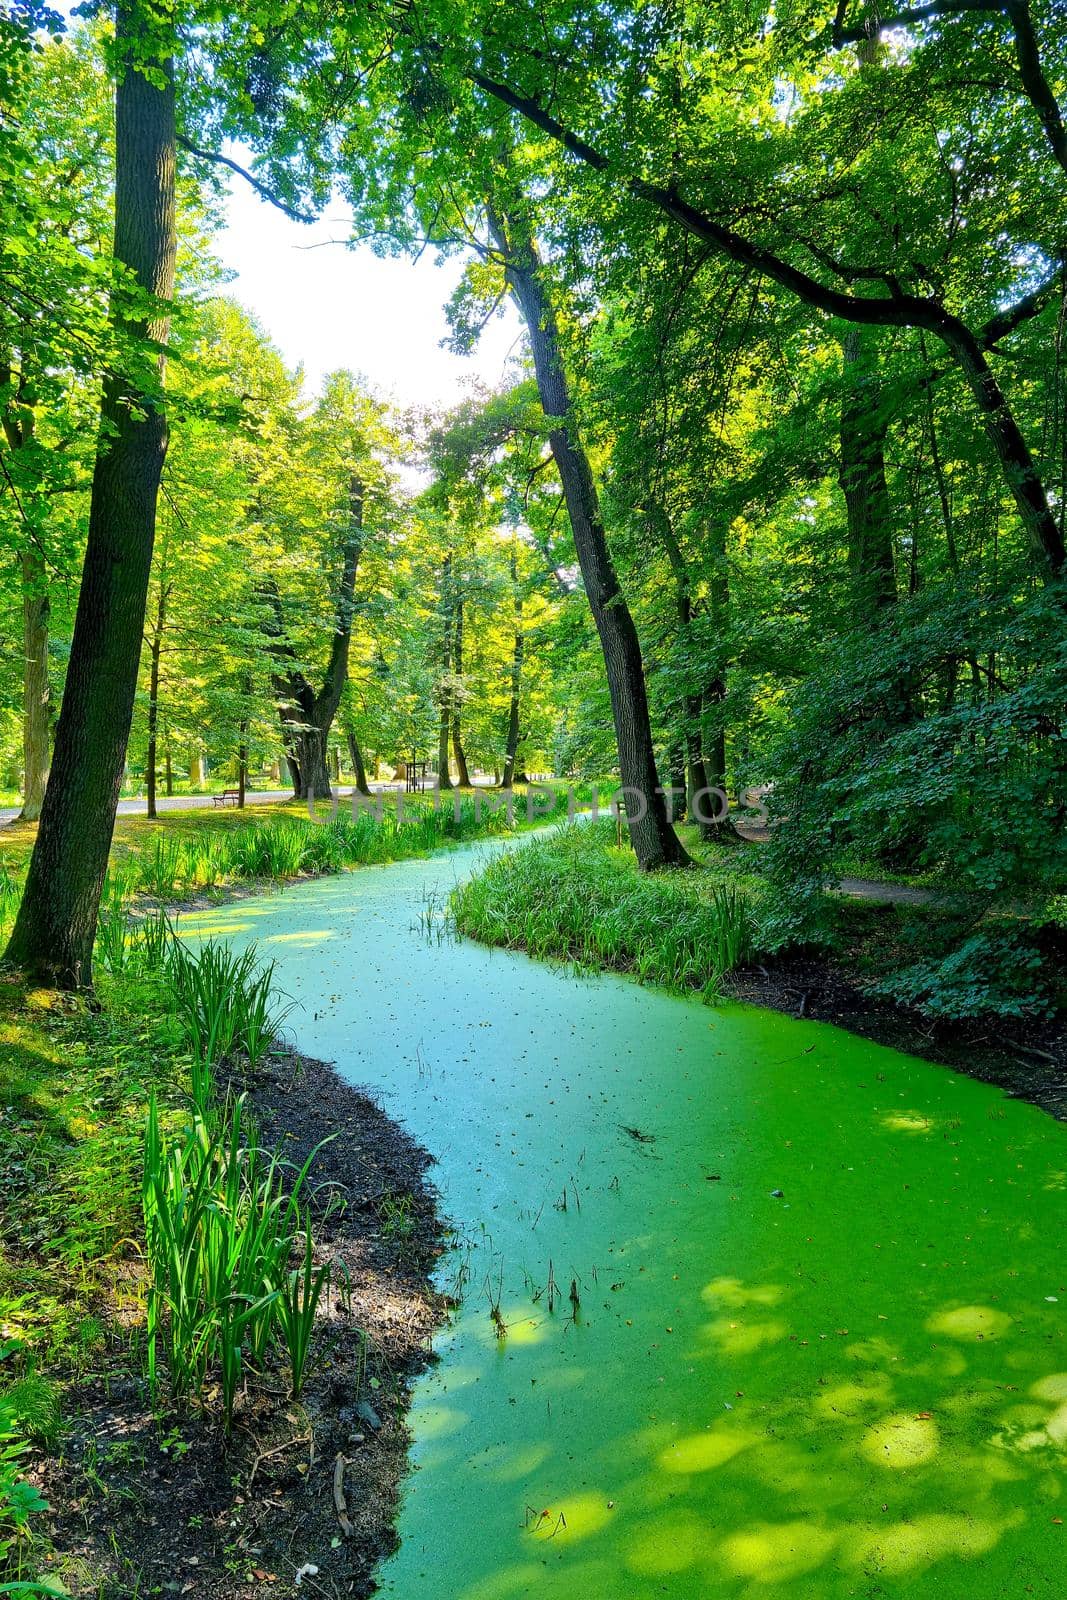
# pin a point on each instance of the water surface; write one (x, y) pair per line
(816, 1341)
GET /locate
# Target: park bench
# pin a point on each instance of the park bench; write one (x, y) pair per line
(228, 797)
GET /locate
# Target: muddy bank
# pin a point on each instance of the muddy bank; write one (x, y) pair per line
(146, 1506)
(1026, 1059)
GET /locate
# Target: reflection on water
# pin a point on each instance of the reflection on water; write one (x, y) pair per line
(801, 1338)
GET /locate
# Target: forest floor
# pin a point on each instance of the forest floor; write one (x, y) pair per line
(145, 1501)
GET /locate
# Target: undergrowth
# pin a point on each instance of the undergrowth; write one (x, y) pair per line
(578, 897)
(141, 1224)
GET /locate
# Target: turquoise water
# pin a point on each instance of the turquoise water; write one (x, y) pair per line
(854, 1387)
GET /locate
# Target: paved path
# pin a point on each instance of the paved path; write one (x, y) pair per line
(176, 802)
(890, 894)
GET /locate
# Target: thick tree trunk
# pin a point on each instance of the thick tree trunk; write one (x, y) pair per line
(355, 756)
(314, 771)
(511, 746)
(457, 726)
(36, 696)
(56, 923)
(308, 716)
(654, 840)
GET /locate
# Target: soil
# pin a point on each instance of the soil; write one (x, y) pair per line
(1028, 1060)
(143, 1507)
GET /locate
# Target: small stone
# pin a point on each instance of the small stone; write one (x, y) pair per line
(366, 1413)
(777, 1194)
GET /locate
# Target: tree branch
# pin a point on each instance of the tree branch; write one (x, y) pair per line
(261, 188)
(1035, 85)
(897, 310)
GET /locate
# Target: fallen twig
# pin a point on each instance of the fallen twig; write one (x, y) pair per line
(340, 1504)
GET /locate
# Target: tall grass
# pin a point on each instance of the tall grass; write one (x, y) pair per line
(220, 1224)
(577, 897)
(225, 1001)
(287, 846)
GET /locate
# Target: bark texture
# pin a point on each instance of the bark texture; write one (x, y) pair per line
(654, 840)
(56, 923)
(355, 756)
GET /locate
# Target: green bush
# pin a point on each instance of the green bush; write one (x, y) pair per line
(995, 970)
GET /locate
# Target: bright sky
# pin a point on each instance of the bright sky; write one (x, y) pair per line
(329, 306)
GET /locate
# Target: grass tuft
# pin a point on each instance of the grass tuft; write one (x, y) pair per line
(577, 897)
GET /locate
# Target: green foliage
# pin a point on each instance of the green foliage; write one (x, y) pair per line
(220, 1223)
(991, 971)
(225, 1002)
(577, 898)
(297, 1307)
(28, 1409)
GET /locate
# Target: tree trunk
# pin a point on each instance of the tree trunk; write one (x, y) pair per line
(654, 840)
(457, 729)
(36, 697)
(306, 716)
(444, 778)
(713, 699)
(696, 780)
(242, 746)
(678, 789)
(168, 771)
(314, 771)
(153, 726)
(511, 748)
(56, 923)
(355, 756)
(155, 651)
(862, 476)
